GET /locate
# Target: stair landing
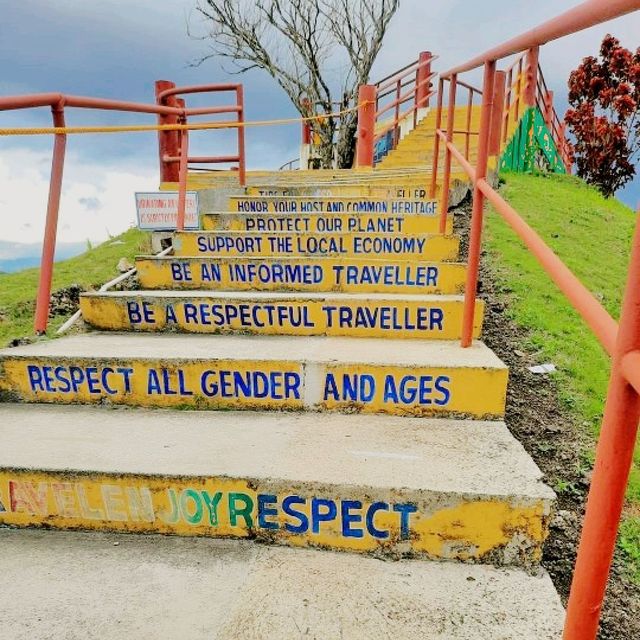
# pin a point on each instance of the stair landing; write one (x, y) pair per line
(79, 586)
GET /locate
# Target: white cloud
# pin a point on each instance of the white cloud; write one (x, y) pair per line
(97, 200)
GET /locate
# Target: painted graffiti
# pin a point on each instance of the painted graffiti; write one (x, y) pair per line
(214, 507)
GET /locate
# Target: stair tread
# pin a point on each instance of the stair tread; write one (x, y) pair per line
(234, 347)
(275, 295)
(205, 589)
(412, 454)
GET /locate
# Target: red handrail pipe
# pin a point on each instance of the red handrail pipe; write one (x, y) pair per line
(477, 213)
(166, 94)
(242, 162)
(446, 179)
(51, 223)
(183, 171)
(614, 456)
(531, 76)
(436, 141)
(582, 16)
(497, 114)
(168, 113)
(622, 410)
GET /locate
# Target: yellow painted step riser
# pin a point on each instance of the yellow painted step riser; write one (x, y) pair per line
(319, 275)
(325, 223)
(379, 177)
(417, 191)
(333, 205)
(257, 384)
(389, 245)
(330, 317)
(305, 515)
(322, 222)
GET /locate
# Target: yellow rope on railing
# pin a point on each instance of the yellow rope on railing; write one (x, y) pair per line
(37, 131)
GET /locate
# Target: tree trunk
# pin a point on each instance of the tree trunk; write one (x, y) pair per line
(346, 143)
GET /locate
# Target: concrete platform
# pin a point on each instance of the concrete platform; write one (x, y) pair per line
(294, 313)
(469, 490)
(406, 377)
(77, 586)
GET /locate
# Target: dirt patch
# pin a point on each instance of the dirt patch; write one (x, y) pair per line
(65, 301)
(549, 433)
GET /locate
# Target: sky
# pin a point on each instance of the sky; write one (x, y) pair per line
(118, 48)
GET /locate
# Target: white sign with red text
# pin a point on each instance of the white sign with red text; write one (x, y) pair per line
(158, 211)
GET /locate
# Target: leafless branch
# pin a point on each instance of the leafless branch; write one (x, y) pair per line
(299, 43)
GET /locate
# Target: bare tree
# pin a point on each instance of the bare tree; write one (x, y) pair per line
(318, 50)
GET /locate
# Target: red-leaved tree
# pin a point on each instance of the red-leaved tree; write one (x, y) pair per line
(604, 98)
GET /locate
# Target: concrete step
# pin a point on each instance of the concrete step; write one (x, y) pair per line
(299, 243)
(414, 191)
(292, 204)
(403, 377)
(228, 180)
(325, 222)
(432, 489)
(302, 314)
(122, 586)
(347, 275)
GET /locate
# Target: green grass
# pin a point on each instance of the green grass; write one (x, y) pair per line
(89, 270)
(592, 235)
(630, 543)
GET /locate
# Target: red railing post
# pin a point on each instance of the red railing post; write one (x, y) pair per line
(446, 179)
(436, 141)
(548, 110)
(507, 105)
(168, 141)
(51, 223)
(366, 125)
(475, 238)
(516, 109)
(396, 115)
(423, 88)
(241, 152)
(182, 178)
(563, 146)
(614, 456)
(467, 139)
(531, 77)
(497, 118)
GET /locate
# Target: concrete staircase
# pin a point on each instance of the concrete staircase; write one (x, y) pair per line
(310, 329)
(416, 148)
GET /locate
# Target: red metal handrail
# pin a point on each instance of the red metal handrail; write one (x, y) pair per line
(173, 146)
(472, 93)
(418, 76)
(167, 95)
(614, 452)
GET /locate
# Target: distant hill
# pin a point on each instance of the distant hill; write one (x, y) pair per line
(15, 256)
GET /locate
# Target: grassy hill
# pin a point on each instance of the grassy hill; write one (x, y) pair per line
(89, 270)
(592, 235)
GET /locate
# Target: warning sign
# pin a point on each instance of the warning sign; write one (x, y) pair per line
(157, 211)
